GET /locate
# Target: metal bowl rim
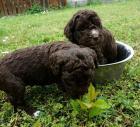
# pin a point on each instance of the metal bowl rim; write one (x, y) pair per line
(122, 61)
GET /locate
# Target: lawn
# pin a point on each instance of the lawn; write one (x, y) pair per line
(123, 19)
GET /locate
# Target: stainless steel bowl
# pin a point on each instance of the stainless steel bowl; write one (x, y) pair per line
(110, 72)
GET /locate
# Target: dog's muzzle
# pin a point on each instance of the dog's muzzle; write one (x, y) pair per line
(95, 33)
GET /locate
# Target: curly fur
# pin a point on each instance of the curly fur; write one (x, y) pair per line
(85, 28)
(66, 64)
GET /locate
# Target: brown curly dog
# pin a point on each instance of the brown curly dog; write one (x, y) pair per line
(85, 28)
(66, 64)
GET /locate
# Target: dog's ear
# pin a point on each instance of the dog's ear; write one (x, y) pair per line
(70, 28)
(56, 61)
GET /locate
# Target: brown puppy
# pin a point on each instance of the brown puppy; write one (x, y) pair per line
(85, 28)
(66, 64)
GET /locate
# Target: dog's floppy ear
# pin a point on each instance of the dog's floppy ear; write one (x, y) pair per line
(56, 61)
(70, 27)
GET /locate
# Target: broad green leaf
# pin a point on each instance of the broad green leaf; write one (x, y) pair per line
(85, 98)
(95, 111)
(85, 106)
(91, 93)
(82, 105)
(100, 103)
(98, 107)
(37, 124)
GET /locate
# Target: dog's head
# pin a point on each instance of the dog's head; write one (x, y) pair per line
(83, 20)
(74, 68)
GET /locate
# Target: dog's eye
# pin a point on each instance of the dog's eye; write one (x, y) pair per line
(92, 27)
(82, 27)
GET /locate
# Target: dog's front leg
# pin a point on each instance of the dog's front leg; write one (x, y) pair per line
(13, 86)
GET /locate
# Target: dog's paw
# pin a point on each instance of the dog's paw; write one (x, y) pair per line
(36, 114)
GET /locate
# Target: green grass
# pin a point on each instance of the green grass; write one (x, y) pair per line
(123, 19)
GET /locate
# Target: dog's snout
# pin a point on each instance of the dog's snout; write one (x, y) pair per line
(95, 33)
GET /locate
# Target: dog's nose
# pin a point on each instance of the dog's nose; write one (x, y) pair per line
(95, 33)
